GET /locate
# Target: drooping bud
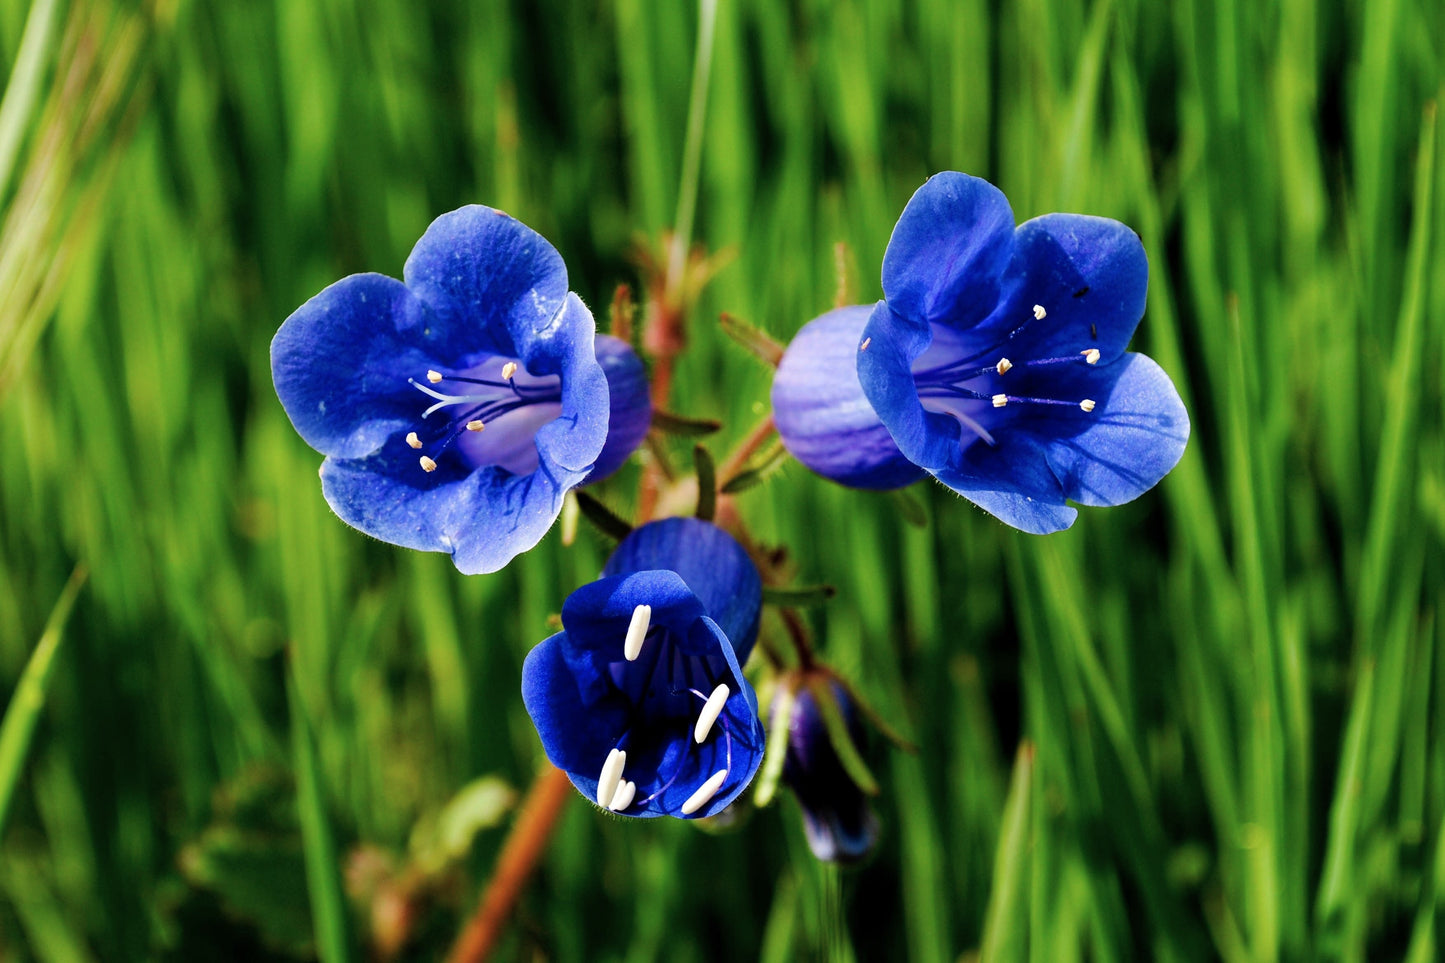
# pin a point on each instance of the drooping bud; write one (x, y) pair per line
(840, 825)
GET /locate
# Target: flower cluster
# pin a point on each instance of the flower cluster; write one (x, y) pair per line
(457, 407)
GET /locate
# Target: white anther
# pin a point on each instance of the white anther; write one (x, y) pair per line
(1087, 404)
(434, 376)
(475, 425)
(1091, 356)
(1003, 366)
(427, 464)
(611, 775)
(1000, 400)
(865, 344)
(413, 440)
(509, 369)
(637, 632)
(622, 798)
(1039, 312)
(710, 711)
(704, 793)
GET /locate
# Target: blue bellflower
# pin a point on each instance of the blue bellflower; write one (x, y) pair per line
(456, 408)
(840, 825)
(996, 362)
(641, 698)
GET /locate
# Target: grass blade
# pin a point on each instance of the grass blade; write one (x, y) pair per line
(23, 713)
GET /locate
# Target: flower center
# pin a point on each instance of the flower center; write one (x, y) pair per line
(663, 686)
(485, 420)
(954, 378)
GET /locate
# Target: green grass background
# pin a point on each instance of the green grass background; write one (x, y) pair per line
(1207, 725)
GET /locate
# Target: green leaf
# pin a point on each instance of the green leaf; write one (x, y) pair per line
(603, 518)
(798, 596)
(28, 701)
(759, 344)
(766, 466)
(840, 738)
(672, 424)
(706, 483)
(777, 750)
(251, 858)
(910, 508)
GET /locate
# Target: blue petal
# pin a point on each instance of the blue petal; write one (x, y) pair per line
(492, 283)
(1091, 277)
(483, 518)
(926, 438)
(569, 446)
(576, 735)
(823, 417)
(341, 360)
(715, 567)
(948, 251)
(630, 404)
(1135, 435)
(1012, 482)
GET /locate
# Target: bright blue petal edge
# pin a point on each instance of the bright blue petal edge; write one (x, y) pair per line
(948, 251)
(715, 567)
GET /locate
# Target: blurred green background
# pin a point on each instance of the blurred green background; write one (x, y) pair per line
(1206, 725)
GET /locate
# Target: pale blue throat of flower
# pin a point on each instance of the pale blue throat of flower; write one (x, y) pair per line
(661, 682)
(488, 413)
(954, 377)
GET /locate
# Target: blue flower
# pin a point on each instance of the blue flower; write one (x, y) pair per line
(641, 698)
(455, 409)
(996, 362)
(840, 825)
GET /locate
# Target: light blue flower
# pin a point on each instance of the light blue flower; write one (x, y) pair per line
(457, 408)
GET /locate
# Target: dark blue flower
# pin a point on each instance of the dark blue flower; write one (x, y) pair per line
(641, 697)
(996, 362)
(455, 409)
(840, 825)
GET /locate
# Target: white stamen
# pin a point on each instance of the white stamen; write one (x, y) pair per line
(509, 369)
(475, 425)
(1003, 366)
(1087, 404)
(704, 793)
(434, 376)
(1000, 400)
(413, 440)
(637, 632)
(710, 711)
(427, 465)
(1091, 356)
(622, 798)
(865, 344)
(611, 775)
(1039, 312)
